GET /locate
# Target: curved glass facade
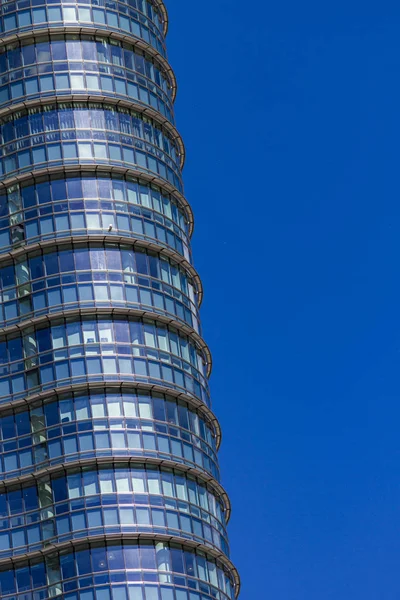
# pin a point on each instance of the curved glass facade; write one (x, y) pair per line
(140, 18)
(45, 208)
(95, 275)
(126, 499)
(81, 64)
(109, 478)
(106, 423)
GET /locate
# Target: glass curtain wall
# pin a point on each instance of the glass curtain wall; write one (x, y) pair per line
(109, 478)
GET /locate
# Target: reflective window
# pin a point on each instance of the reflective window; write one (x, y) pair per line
(85, 64)
(131, 499)
(123, 349)
(71, 117)
(90, 133)
(138, 18)
(107, 423)
(168, 569)
(55, 207)
(106, 274)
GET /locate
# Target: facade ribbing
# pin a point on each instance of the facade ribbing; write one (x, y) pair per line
(109, 476)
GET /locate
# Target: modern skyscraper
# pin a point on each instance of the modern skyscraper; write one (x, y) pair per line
(109, 474)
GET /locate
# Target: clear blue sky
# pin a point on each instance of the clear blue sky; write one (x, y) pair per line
(290, 113)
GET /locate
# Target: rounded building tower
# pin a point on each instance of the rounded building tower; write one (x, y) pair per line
(109, 478)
